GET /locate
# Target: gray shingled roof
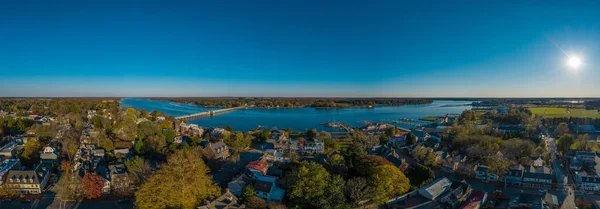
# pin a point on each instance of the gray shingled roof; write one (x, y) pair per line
(27, 176)
(263, 186)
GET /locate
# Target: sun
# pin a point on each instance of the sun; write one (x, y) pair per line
(574, 62)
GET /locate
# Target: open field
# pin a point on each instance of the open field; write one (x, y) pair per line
(557, 112)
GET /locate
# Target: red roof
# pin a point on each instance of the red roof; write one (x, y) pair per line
(474, 200)
(258, 165)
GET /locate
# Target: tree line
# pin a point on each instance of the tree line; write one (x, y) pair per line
(296, 102)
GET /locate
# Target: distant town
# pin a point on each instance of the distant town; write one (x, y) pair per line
(498, 153)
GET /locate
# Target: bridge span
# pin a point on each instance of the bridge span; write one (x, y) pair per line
(207, 113)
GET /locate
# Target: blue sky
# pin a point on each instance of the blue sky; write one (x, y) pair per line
(299, 48)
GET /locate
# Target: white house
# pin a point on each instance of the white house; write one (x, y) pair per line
(436, 188)
(538, 162)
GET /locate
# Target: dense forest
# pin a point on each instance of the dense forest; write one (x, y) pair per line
(296, 102)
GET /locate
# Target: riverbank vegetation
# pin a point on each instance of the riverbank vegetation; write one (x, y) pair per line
(429, 118)
(284, 102)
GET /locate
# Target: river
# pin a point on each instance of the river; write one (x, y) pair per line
(299, 119)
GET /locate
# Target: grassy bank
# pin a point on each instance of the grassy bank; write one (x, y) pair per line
(557, 112)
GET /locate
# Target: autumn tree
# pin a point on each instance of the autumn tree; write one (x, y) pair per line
(155, 146)
(411, 139)
(420, 174)
(139, 168)
(144, 113)
(70, 187)
(311, 186)
(70, 143)
(92, 185)
(337, 165)
(562, 129)
(182, 183)
(31, 152)
(263, 135)
(238, 143)
(357, 190)
(386, 179)
(564, 143)
(311, 134)
(496, 165)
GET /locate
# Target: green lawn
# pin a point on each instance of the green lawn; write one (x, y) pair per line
(557, 112)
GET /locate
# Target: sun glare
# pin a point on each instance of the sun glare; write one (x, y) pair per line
(574, 62)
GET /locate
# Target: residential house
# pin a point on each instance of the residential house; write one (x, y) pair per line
(91, 114)
(441, 193)
(196, 130)
(219, 150)
(436, 188)
(387, 153)
(178, 140)
(218, 133)
(421, 135)
(433, 141)
(538, 161)
(534, 200)
(279, 142)
(514, 176)
(441, 155)
(588, 158)
(588, 181)
(257, 167)
(450, 165)
(460, 158)
(459, 192)
(397, 140)
(266, 188)
(29, 181)
(481, 173)
(97, 155)
(538, 178)
(304, 146)
(476, 200)
(49, 155)
(237, 185)
(575, 164)
(103, 172)
(7, 165)
(9, 150)
(226, 201)
(274, 156)
(119, 180)
(121, 151)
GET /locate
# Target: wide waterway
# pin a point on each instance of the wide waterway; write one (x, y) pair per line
(299, 119)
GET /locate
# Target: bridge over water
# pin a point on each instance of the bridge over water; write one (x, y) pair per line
(207, 113)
